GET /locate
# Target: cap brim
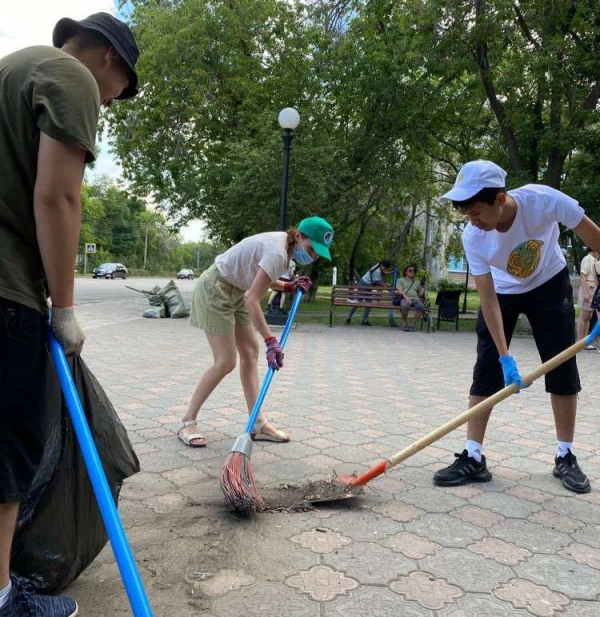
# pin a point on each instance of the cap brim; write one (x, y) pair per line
(321, 250)
(458, 193)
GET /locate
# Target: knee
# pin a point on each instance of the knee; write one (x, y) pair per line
(249, 354)
(225, 365)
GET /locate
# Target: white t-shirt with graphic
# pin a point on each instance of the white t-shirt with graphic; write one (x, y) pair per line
(528, 254)
(240, 264)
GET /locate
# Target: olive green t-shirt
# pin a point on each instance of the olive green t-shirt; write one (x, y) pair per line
(41, 89)
(409, 287)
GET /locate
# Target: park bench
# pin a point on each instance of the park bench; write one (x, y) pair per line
(374, 298)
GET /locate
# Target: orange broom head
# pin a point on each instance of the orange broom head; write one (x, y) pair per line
(237, 484)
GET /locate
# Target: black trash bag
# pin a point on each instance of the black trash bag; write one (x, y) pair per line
(59, 528)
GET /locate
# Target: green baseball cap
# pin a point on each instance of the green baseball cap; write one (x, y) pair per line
(320, 234)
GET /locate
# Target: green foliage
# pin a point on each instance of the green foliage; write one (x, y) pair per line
(447, 285)
(119, 223)
(394, 95)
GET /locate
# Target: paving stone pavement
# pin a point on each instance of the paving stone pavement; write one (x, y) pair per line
(519, 545)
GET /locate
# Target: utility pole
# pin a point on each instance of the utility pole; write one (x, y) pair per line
(146, 245)
(197, 259)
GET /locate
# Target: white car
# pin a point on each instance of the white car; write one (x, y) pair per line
(186, 274)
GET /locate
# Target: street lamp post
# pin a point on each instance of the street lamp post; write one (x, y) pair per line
(289, 119)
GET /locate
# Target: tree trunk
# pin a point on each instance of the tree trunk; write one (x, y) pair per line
(557, 155)
(356, 246)
(401, 239)
(481, 56)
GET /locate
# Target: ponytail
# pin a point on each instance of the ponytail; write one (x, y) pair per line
(291, 236)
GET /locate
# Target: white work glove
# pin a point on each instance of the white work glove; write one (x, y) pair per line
(67, 330)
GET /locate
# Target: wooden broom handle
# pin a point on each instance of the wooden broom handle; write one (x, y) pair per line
(489, 402)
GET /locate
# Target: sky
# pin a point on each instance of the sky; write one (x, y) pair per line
(30, 22)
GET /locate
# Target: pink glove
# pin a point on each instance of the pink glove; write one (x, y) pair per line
(274, 353)
(302, 282)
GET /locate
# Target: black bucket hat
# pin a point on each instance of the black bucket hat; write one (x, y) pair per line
(117, 32)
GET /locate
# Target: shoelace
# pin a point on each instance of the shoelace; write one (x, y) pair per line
(571, 462)
(459, 457)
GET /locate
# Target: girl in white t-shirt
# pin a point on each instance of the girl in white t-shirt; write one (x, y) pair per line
(226, 305)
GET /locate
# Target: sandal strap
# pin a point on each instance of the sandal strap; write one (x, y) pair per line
(188, 423)
(259, 425)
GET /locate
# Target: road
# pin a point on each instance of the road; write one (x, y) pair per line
(100, 290)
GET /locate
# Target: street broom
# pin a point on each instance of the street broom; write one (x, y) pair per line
(237, 482)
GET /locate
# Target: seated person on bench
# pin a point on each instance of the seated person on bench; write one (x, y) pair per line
(412, 293)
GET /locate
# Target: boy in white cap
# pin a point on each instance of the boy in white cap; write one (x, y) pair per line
(511, 243)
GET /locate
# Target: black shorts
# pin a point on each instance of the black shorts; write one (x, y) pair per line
(23, 373)
(551, 313)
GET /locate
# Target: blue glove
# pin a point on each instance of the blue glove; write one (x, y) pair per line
(510, 370)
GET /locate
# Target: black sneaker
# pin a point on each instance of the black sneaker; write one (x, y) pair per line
(25, 603)
(465, 469)
(573, 479)
(348, 321)
(366, 323)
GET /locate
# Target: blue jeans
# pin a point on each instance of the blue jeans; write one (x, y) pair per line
(367, 310)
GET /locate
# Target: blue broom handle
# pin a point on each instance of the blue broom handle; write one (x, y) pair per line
(123, 555)
(260, 399)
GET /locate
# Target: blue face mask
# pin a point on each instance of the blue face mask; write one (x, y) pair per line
(302, 256)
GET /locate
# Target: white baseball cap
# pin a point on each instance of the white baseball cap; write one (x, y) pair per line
(473, 177)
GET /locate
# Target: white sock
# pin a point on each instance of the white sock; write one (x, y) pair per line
(563, 448)
(5, 594)
(474, 449)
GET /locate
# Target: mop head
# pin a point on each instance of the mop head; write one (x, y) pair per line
(237, 481)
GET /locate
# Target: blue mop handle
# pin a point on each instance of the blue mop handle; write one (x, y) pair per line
(123, 555)
(271, 372)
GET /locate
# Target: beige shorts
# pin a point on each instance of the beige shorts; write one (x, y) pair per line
(217, 306)
(585, 305)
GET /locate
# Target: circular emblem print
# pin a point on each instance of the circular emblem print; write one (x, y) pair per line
(328, 237)
(525, 258)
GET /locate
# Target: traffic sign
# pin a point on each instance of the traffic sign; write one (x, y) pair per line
(90, 247)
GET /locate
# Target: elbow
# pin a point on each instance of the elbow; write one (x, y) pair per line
(252, 304)
(68, 201)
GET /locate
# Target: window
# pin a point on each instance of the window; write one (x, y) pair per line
(457, 264)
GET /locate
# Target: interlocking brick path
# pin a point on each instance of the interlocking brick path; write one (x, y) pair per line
(519, 545)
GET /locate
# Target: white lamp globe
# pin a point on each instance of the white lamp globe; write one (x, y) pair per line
(289, 118)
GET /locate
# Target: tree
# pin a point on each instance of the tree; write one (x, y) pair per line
(538, 64)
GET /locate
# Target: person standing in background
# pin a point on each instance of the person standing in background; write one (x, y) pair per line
(286, 277)
(372, 278)
(587, 289)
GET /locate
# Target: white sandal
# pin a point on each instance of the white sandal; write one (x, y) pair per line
(187, 439)
(259, 435)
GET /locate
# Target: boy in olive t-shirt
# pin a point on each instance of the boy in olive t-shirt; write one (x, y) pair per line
(50, 99)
